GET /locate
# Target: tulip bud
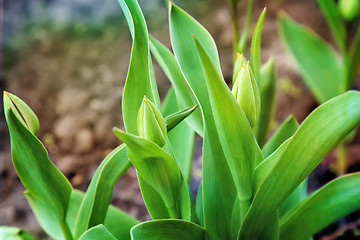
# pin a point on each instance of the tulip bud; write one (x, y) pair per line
(239, 62)
(22, 111)
(247, 94)
(151, 124)
(349, 9)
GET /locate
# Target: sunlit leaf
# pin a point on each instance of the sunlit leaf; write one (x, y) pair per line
(97, 232)
(320, 132)
(335, 200)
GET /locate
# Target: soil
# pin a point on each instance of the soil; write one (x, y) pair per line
(74, 85)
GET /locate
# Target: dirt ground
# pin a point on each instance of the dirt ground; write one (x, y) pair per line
(75, 85)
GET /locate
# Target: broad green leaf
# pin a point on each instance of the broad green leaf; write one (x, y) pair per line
(317, 61)
(255, 59)
(285, 131)
(159, 170)
(98, 196)
(139, 80)
(153, 201)
(175, 118)
(234, 130)
(36, 172)
(22, 111)
(182, 138)
(335, 22)
(184, 95)
(335, 200)
(218, 190)
(268, 82)
(13, 233)
(173, 229)
(47, 219)
(263, 170)
(199, 207)
(96, 233)
(320, 132)
(116, 221)
(297, 196)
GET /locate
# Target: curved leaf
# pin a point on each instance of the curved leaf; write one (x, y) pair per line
(116, 221)
(255, 59)
(234, 130)
(335, 200)
(285, 131)
(318, 63)
(139, 81)
(97, 232)
(37, 173)
(218, 190)
(167, 229)
(98, 196)
(320, 132)
(184, 95)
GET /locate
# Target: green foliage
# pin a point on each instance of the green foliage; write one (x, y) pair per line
(245, 193)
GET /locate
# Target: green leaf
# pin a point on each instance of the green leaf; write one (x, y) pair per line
(175, 118)
(263, 170)
(98, 196)
(97, 232)
(13, 233)
(335, 22)
(217, 184)
(335, 200)
(167, 229)
(255, 59)
(297, 196)
(157, 168)
(116, 221)
(235, 132)
(285, 131)
(245, 32)
(182, 138)
(22, 111)
(184, 94)
(318, 63)
(268, 82)
(139, 81)
(36, 172)
(320, 132)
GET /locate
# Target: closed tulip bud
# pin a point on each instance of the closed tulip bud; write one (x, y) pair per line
(349, 9)
(239, 62)
(247, 94)
(22, 111)
(151, 124)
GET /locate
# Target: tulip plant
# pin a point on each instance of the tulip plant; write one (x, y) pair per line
(246, 192)
(325, 73)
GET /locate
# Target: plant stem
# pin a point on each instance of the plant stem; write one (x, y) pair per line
(342, 158)
(236, 32)
(244, 207)
(66, 231)
(173, 212)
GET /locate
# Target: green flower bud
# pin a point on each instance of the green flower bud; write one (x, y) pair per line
(151, 124)
(247, 94)
(22, 111)
(239, 62)
(349, 9)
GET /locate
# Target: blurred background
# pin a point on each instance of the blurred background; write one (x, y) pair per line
(68, 60)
